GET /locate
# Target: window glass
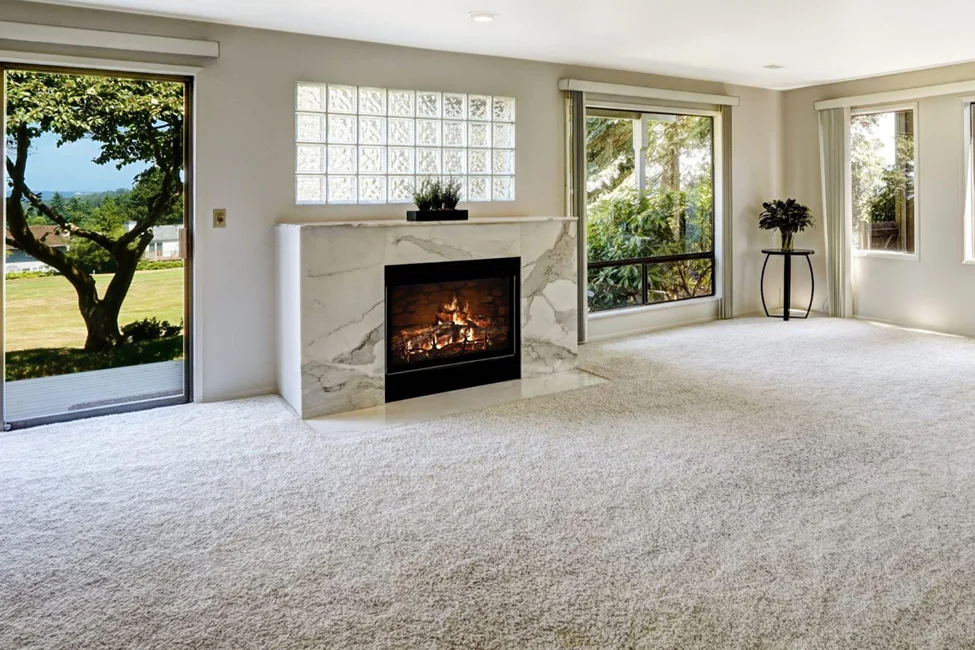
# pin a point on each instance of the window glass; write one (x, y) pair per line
(650, 207)
(882, 160)
(373, 145)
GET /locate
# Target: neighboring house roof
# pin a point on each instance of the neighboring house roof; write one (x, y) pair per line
(50, 235)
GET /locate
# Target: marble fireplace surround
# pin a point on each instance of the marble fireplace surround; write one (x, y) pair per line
(331, 298)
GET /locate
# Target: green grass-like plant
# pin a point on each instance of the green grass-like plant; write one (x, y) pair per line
(437, 195)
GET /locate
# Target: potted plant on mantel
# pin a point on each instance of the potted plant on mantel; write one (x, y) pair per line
(437, 200)
(788, 217)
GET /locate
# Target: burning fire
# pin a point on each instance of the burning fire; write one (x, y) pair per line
(454, 324)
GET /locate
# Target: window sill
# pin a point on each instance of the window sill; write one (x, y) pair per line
(626, 311)
(887, 255)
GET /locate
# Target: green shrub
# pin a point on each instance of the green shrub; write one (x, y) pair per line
(158, 265)
(150, 329)
(26, 275)
(52, 362)
(629, 225)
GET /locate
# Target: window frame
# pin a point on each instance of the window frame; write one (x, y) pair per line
(875, 110)
(717, 213)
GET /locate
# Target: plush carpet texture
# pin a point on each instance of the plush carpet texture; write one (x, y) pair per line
(744, 484)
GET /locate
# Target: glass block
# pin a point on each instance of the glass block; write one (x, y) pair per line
(372, 130)
(428, 161)
(310, 97)
(310, 159)
(478, 135)
(454, 161)
(401, 103)
(341, 99)
(341, 189)
(401, 131)
(372, 189)
(401, 189)
(479, 108)
(310, 189)
(428, 133)
(309, 127)
(478, 188)
(478, 162)
(341, 129)
(455, 134)
(372, 160)
(401, 160)
(504, 109)
(341, 160)
(372, 101)
(427, 104)
(503, 188)
(503, 161)
(454, 106)
(503, 136)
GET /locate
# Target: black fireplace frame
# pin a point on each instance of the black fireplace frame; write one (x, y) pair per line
(450, 375)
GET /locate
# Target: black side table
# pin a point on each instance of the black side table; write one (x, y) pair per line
(787, 279)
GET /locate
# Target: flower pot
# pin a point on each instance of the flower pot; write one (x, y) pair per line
(787, 240)
(436, 215)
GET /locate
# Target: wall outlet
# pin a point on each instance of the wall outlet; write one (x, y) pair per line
(220, 218)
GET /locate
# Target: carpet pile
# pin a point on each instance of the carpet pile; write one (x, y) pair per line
(743, 484)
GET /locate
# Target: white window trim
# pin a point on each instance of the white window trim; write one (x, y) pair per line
(890, 255)
(718, 189)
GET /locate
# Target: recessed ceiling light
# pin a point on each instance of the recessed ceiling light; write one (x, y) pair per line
(773, 66)
(482, 16)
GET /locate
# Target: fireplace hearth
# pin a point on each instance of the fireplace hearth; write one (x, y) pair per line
(451, 325)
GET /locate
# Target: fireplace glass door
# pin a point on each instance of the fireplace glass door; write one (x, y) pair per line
(451, 325)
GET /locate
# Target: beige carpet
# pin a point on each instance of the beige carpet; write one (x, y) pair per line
(752, 484)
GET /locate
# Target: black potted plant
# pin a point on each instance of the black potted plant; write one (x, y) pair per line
(437, 201)
(788, 217)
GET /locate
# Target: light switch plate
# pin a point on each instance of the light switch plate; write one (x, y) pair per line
(219, 218)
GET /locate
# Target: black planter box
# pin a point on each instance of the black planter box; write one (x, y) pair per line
(436, 215)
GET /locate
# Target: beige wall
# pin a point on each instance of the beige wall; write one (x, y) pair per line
(937, 292)
(245, 161)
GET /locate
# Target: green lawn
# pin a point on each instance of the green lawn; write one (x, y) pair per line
(43, 312)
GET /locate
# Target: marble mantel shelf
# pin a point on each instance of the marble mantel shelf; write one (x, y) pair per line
(397, 223)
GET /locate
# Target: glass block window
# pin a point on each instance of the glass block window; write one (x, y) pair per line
(356, 144)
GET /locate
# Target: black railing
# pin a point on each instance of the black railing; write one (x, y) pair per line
(644, 262)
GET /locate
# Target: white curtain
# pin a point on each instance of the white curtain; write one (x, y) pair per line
(835, 167)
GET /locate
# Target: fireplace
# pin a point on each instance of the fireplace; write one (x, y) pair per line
(451, 325)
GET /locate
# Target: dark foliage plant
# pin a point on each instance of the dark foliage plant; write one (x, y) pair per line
(150, 329)
(787, 216)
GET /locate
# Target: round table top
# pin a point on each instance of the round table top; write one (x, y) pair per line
(779, 251)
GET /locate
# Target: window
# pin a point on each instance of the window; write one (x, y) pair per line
(650, 207)
(882, 157)
(372, 145)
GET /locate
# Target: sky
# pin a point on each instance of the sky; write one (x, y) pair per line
(69, 169)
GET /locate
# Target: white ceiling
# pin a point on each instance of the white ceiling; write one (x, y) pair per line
(817, 41)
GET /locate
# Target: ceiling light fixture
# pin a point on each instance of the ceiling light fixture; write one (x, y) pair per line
(773, 66)
(482, 16)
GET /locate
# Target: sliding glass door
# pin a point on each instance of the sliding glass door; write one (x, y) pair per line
(96, 212)
(650, 207)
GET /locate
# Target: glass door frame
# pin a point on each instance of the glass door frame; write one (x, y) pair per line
(186, 243)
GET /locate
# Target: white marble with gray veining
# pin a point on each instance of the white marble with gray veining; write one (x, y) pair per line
(341, 300)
